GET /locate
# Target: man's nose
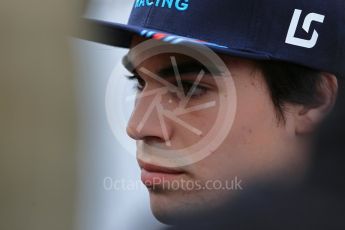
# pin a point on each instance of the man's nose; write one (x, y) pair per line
(147, 121)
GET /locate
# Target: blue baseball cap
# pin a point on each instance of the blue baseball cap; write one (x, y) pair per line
(306, 32)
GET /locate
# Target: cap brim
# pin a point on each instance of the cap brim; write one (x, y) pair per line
(120, 35)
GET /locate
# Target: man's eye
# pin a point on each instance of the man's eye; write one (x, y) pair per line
(189, 89)
(140, 83)
(194, 91)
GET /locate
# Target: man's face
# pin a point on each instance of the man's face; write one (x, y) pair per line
(257, 148)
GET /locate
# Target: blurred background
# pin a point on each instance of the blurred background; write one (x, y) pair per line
(102, 156)
(56, 147)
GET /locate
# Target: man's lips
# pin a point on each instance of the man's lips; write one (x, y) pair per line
(152, 175)
(158, 169)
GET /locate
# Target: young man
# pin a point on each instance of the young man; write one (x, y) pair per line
(284, 58)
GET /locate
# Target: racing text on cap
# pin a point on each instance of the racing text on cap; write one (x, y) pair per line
(180, 5)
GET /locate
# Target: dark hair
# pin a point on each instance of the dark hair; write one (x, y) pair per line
(291, 83)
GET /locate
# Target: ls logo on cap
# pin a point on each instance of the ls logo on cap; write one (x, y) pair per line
(291, 39)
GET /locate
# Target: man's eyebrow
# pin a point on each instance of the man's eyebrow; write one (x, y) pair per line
(190, 66)
(126, 62)
(186, 67)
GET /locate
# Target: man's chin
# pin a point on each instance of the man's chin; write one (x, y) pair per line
(172, 208)
(170, 216)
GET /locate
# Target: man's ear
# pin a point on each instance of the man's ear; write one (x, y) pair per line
(307, 118)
